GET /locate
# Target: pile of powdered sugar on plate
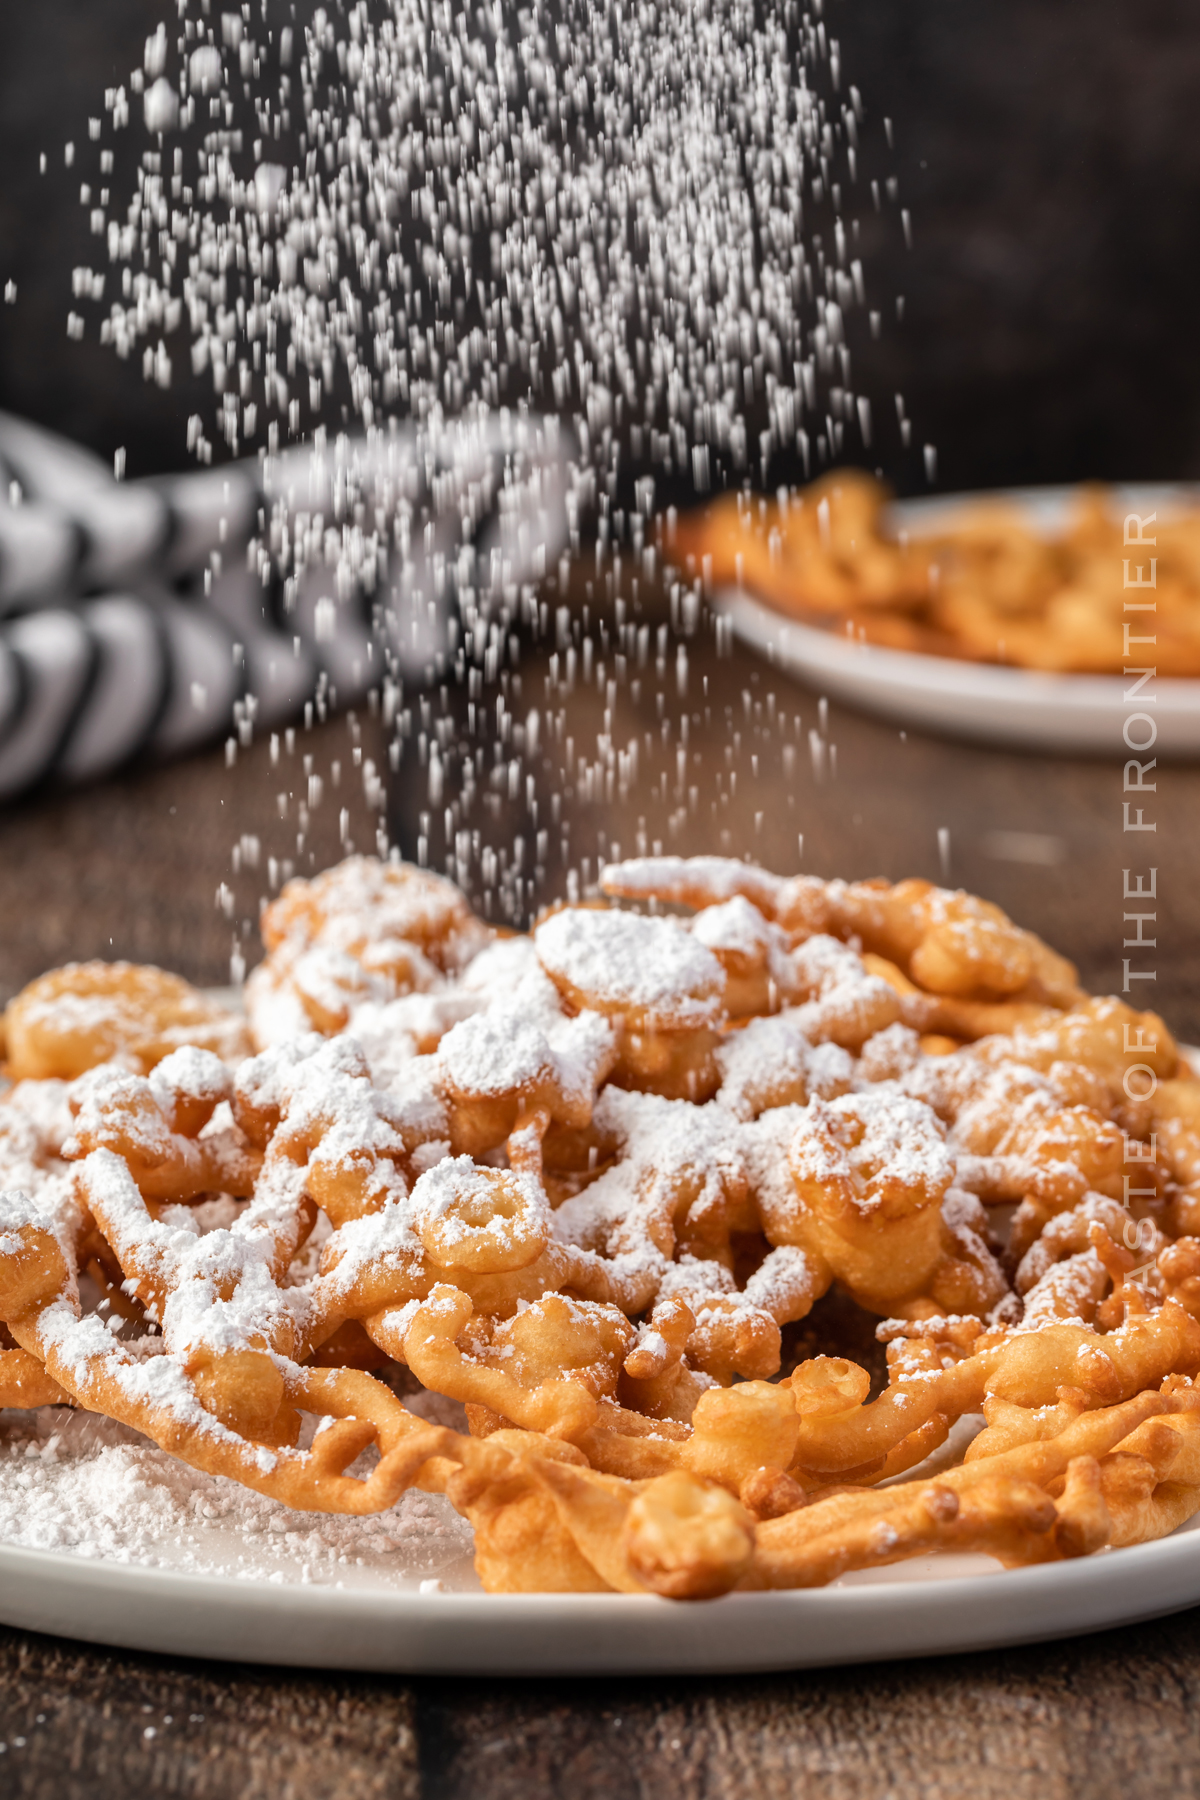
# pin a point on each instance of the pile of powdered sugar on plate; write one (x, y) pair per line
(80, 1484)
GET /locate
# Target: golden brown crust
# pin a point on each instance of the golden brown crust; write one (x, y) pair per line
(83, 1014)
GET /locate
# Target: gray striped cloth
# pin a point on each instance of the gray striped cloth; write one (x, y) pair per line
(139, 617)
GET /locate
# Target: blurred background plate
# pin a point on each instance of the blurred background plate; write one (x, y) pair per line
(1024, 708)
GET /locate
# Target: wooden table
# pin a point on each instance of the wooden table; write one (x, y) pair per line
(1099, 1718)
(133, 867)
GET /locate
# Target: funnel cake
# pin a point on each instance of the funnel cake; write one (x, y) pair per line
(600, 1186)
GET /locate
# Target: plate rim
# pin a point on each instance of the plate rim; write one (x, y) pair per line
(1162, 1549)
(206, 1615)
(1181, 691)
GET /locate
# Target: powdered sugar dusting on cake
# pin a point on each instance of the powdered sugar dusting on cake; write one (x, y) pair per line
(622, 960)
(771, 1062)
(876, 1136)
(680, 879)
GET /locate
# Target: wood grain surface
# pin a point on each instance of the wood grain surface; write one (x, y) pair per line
(132, 868)
(1100, 1718)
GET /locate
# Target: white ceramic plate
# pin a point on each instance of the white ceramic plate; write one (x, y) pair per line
(166, 1559)
(1022, 707)
(355, 1594)
(921, 1610)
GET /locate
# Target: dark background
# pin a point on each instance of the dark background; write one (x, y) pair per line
(1047, 148)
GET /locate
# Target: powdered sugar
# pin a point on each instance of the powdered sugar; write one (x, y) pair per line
(1066, 1294)
(682, 879)
(273, 1007)
(771, 1063)
(494, 1054)
(618, 961)
(84, 1485)
(875, 1137)
(739, 929)
(362, 901)
(451, 1196)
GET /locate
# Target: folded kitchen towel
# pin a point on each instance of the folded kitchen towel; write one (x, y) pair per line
(153, 616)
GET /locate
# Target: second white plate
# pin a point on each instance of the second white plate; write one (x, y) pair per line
(1027, 708)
